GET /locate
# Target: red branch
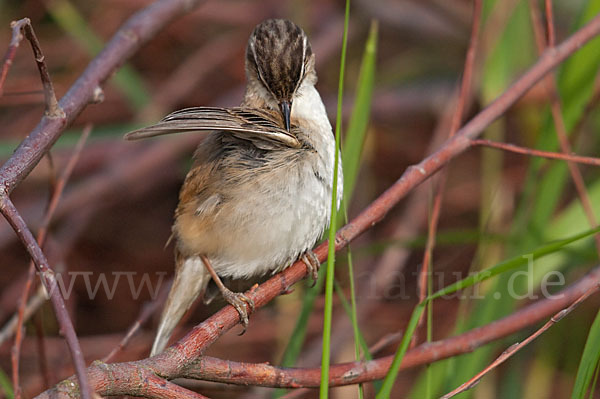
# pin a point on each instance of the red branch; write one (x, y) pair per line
(114, 379)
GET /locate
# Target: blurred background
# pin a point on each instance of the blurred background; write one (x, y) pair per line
(109, 232)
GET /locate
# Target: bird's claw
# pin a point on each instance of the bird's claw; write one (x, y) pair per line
(312, 264)
(241, 303)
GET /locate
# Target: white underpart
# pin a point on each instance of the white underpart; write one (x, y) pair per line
(289, 213)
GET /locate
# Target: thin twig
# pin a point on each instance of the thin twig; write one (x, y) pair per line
(147, 311)
(557, 114)
(11, 51)
(550, 23)
(53, 109)
(58, 188)
(520, 345)
(465, 92)
(13, 217)
(537, 153)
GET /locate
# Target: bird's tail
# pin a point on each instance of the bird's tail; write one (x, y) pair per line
(191, 278)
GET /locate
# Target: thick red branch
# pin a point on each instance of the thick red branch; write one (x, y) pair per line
(113, 379)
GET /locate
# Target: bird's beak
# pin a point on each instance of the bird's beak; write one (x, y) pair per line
(285, 111)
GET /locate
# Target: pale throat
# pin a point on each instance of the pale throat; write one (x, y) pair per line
(307, 104)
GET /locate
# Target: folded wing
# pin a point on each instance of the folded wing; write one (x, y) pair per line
(256, 125)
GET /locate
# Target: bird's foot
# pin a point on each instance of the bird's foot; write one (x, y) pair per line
(312, 264)
(241, 303)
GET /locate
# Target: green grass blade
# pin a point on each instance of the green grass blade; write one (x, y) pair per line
(353, 142)
(325, 359)
(348, 309)
(358, 337)
(593, 388)
(359, 120)
(294, 347)
(390, 378)
(500, 268)
(589, 361)
(510, 264)
(6, 386)
(127, 80)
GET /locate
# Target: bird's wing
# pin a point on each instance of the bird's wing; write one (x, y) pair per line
(253, 124)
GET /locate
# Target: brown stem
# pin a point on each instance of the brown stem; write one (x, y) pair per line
(13, 217)
(116, 379)
(520, 345)
(465, 92)
(41, 238)
(138, 29)
(11, 51)
(53, 109)
(557, 114)
(537, 153)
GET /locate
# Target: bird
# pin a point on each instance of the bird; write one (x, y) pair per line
(258, 195)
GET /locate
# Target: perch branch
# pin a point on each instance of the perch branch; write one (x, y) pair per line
(114, 379)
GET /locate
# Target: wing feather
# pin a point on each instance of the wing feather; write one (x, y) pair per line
(257, 125)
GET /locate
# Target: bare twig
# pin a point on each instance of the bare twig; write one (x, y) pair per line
(13, 217)
(53, 109)
(147, 311)
(41, 238)
(11, 51)
(520, 345)
(138, 29)
(465, 92)
(537, 153)
(557, 114)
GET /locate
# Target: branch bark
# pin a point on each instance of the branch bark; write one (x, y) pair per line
(137, 31)
(113, 379)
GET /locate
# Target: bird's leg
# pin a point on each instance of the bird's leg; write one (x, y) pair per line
(312, 264)
(236, 299)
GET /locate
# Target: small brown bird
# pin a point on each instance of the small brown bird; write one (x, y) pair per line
(258, 195)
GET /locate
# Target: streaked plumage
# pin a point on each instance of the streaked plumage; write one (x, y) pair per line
(258, 194)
